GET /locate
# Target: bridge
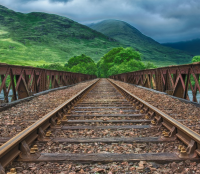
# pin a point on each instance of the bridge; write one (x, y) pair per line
(174, 80)
(26, 81)
(135, 122)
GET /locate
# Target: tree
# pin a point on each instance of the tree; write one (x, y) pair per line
(196, 59)
(78, 59)
(150, 65)
(132, 65)
(127, 54)
(82, 64)
(119, 60)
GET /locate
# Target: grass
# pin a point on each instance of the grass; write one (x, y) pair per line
(41, 38)
(151, 50)
(13, 52)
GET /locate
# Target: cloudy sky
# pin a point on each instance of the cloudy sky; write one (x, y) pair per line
(163, 20)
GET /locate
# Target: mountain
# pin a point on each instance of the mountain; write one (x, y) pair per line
(150, 49)
(191, 46)
(40, 38)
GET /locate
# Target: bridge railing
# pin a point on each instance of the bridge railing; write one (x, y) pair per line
(22, 81)
(174, 80)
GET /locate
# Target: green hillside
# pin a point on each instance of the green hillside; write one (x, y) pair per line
(40, 38)
(150, 49)
(191, 46)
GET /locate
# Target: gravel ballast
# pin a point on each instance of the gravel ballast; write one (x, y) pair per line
(22, 115)
(187, 112)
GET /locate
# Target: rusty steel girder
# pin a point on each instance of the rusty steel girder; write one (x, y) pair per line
(26, 81)
(174, 80)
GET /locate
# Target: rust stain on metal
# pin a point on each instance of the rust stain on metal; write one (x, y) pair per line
(26, 81)
(174, 80)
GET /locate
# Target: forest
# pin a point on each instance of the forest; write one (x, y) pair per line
(117, 60)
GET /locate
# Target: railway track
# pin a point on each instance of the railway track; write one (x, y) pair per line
(103, 124)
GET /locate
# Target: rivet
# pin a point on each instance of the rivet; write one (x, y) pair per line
(13, 170)
(183, 150)
(179, 147)
(48, 134)
(166, 134)
(35, 147)
(58, 122)
(32, 151)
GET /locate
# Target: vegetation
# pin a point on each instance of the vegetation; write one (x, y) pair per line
(118, 60)
(54, 66)
(49, 41)
(35, 39)
(78, 64)
(82, 64)
(151, 50)
(121, 60)
(196, 59)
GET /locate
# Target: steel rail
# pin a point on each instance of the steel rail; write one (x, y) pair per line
(185, 134)
(11, 149)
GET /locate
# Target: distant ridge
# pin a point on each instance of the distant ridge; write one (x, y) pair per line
(151, 50)
(3, 7)
(191, 46)
(40, 38)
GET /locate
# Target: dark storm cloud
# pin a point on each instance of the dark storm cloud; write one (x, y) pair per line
(23, 1)
(165, 21)
(26, 1)
(65, 1)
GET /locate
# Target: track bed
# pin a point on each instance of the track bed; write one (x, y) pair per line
(106, 131)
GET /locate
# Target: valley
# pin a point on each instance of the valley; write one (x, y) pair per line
(36, 38)
(151, 50)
